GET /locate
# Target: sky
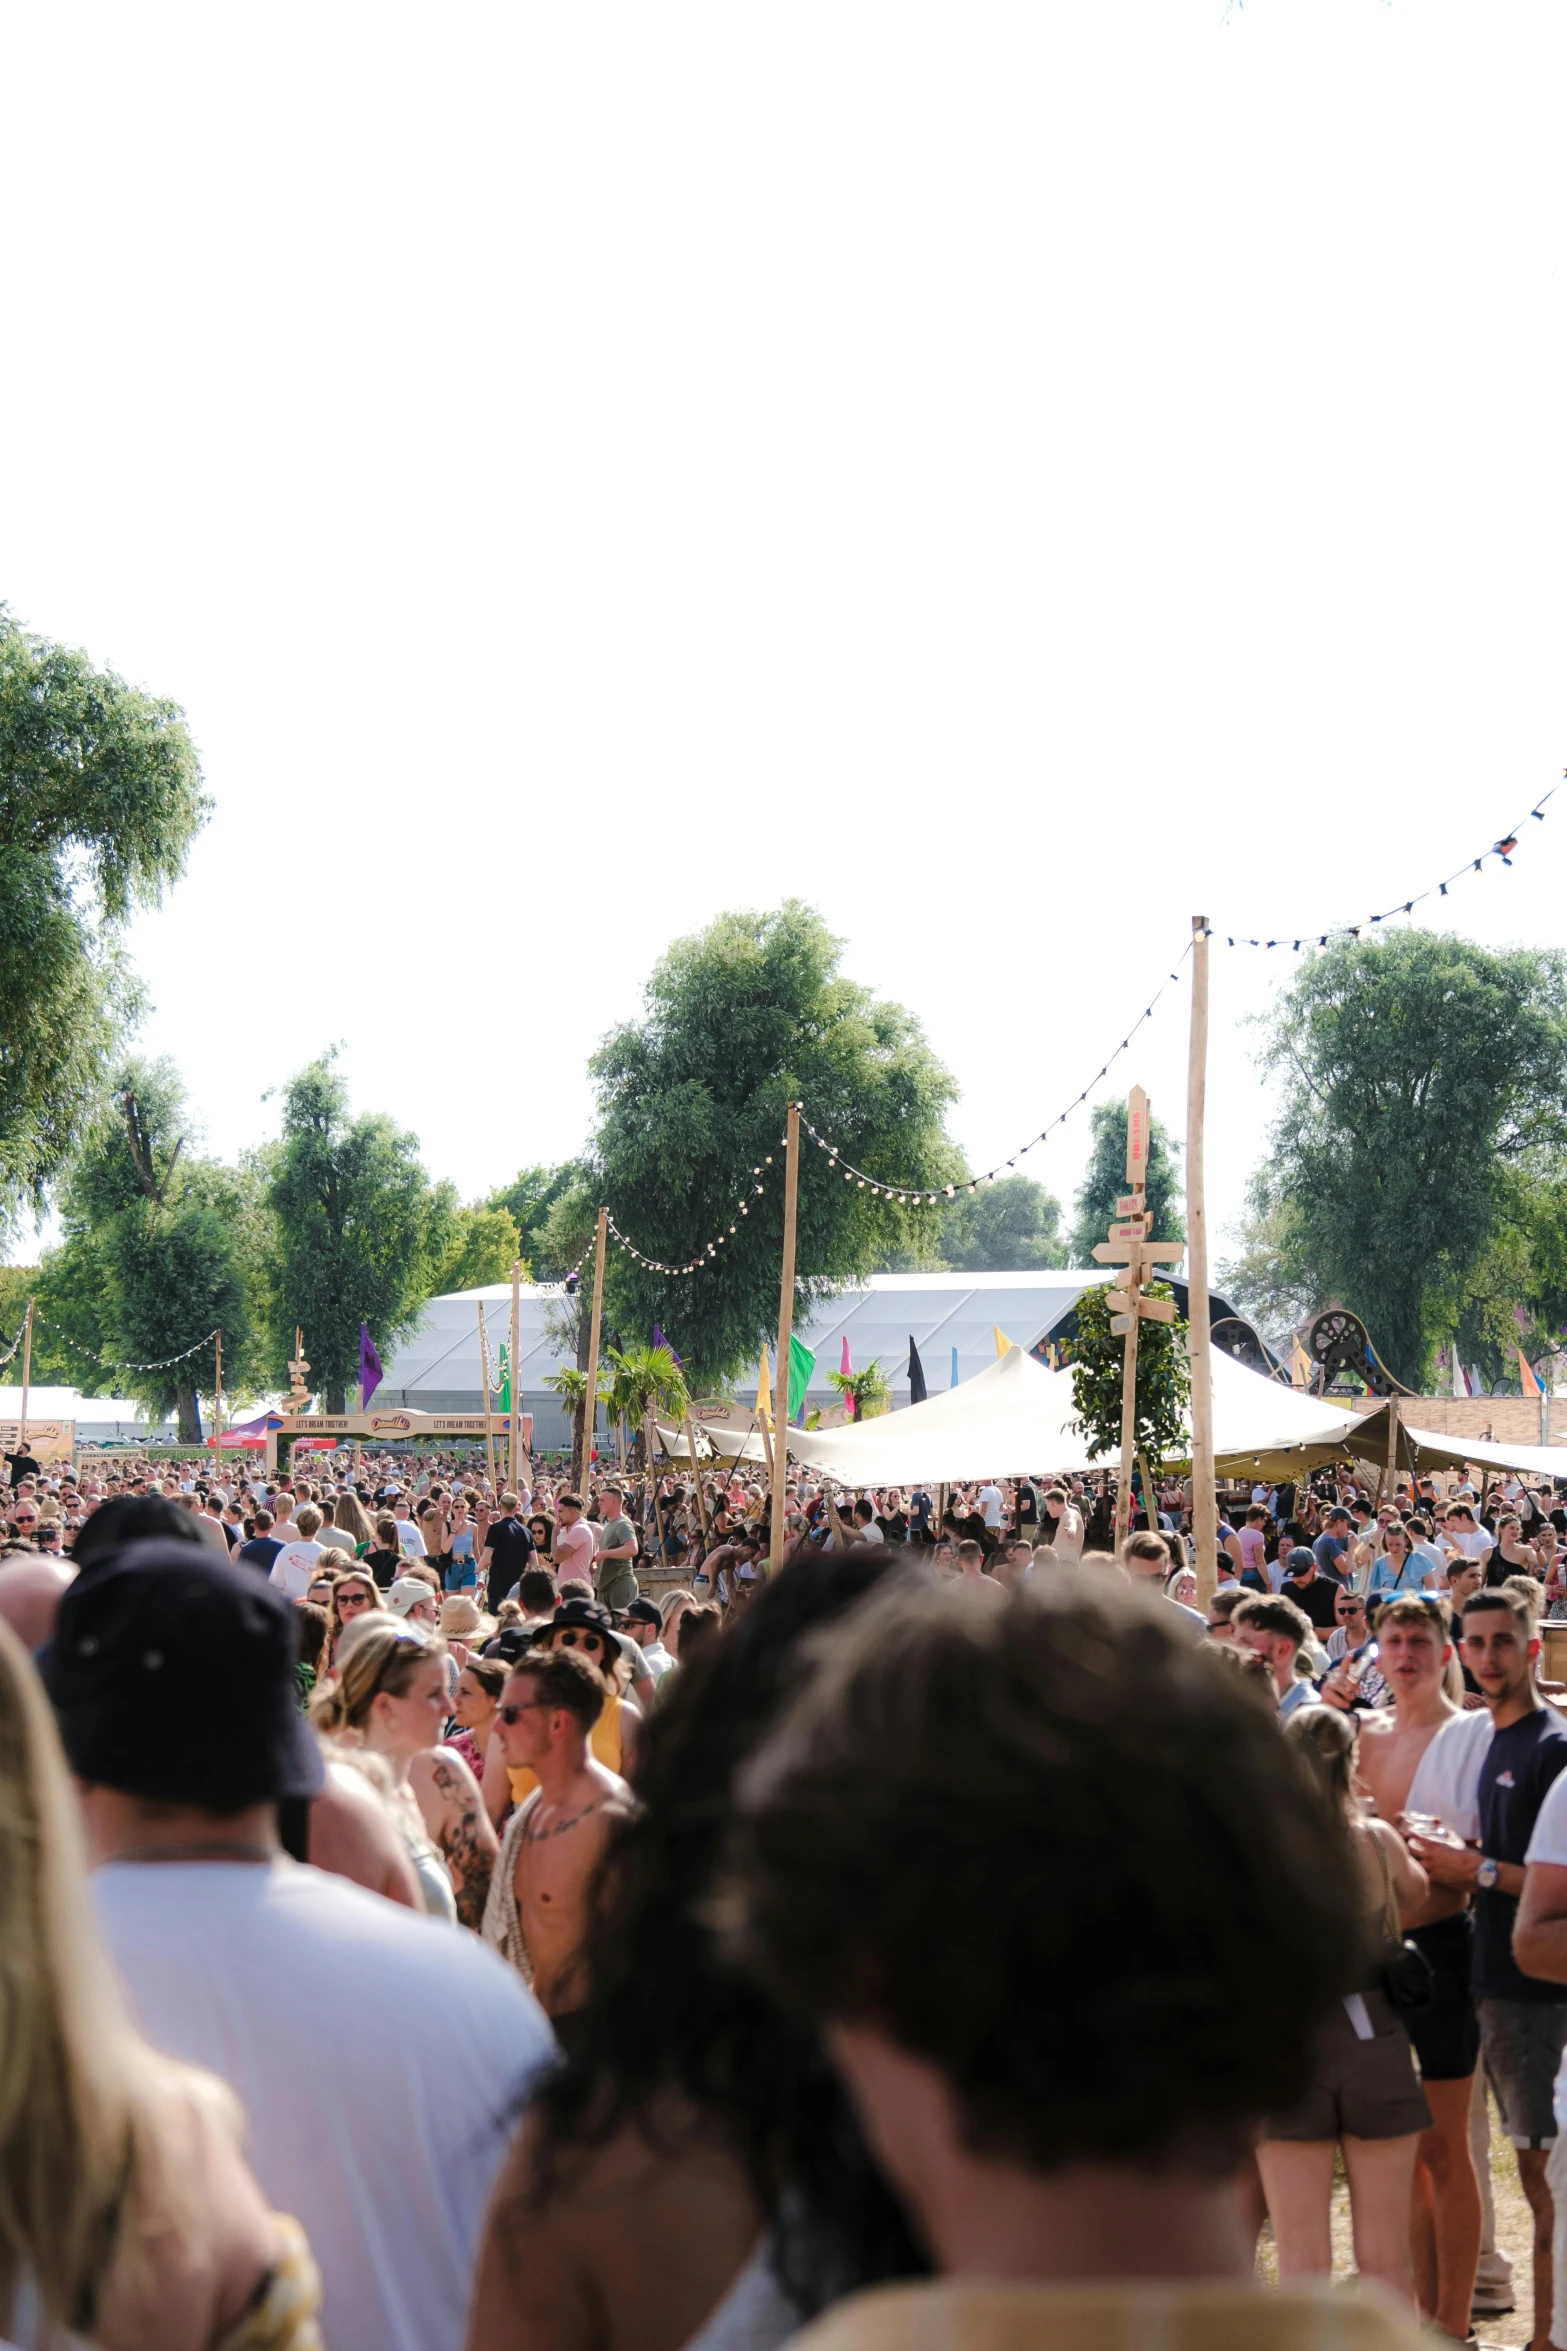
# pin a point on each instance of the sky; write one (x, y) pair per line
(1012, 477)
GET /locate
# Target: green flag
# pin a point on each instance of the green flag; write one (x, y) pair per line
(505, 1397)
(801, 1365)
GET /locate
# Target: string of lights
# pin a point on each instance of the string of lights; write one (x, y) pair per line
(708, 1252)
(15, 1343)
(568, 1280)
(1503, 848)
(102, 1363)
(928, 1196)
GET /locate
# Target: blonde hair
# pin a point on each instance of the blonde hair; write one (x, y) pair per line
(348, 1513)
(87, 2107)
(383, 1654)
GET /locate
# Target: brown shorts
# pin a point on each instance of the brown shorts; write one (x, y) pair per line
(1359, 2089)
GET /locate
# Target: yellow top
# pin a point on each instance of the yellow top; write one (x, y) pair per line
(605, 1744)
(1118, 2315)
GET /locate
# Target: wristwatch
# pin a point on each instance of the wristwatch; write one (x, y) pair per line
(1487, 1874)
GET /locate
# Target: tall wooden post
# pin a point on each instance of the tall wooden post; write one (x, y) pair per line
(1123, 1491)
(650, 1447)
(514, 1385)
(1389, 1485)
(701, 1498)
(1205, 1501)
(775, 1548)
(489, 1410)
(217, 1398)
(590, 1400)
(27, 1375)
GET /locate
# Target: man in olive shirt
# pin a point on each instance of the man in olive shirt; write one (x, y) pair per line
(615, 1570)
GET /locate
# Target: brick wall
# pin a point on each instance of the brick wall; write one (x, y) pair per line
(1500, 1420)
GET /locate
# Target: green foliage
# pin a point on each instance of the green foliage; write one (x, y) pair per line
(1422, 1115)
(1097, 1361)
(161, 1248)
(1270, 1279)
(482, 1245)
(1104, 1182)
(100, 795)
(868, 1390)
(360, 1230)
(529, 1202)
(1010, 1226)
(644, 1380)
(739, 1019)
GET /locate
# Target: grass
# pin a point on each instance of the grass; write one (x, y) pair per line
(1514, 2235)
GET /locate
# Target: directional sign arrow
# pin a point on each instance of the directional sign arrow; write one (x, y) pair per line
(1156, 1309)
(1120, 1324)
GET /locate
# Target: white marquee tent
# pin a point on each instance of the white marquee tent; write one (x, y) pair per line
(1018, 1415)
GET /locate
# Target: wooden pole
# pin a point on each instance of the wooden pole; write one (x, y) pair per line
(1390, 1474)
(590, 1400)
(1205, 1508)
(27, 1375)
(1123, 1491)
(762, 1418)
(650, 1446)
(701, 1501)
(514, 1384)
(1150, 1514)
(489, 1411)
(217, 1399)
(775, 1548)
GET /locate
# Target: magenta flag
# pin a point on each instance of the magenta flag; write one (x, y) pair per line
(846, 1367)
(369, 1367)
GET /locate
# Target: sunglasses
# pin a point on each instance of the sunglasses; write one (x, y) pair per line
(572, 1640)
(530, 1706)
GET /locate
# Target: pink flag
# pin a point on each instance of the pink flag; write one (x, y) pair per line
(846, 1368)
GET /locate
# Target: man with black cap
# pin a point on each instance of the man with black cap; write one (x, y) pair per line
(1310, 1589)
(643, 1624)
(172, 1674)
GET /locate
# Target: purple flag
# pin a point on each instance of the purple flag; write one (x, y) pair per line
(369, 1367)
(659, 1340)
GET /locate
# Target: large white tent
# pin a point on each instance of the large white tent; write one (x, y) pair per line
(1018, 1415)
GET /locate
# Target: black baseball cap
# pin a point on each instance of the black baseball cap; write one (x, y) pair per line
(172, 1676)
(641, 1612)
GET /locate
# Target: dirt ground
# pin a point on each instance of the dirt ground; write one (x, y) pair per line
(1514, 2234)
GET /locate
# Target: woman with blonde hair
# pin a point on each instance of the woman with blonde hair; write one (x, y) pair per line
(389, 1696)
(351, 1522)
(127, 2212)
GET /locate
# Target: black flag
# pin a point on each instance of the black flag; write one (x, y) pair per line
(916, 1374)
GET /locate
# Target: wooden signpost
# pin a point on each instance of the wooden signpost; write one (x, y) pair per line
(1129, 1246)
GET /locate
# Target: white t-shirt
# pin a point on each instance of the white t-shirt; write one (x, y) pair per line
(382, 2131)
(1447, 1777)
(1475, 1545)
(294, 1567)
(990, 1505)
(1549, 1844)
(409, 1540)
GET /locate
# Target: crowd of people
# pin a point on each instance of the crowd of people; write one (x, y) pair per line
(444, 1913)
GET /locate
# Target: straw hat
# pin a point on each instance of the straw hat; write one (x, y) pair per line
(461, 1620)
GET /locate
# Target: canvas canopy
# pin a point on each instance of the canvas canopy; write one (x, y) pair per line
(1018, 1415)
(714, 1442)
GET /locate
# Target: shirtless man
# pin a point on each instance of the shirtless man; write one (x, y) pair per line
(971, 1571)
(536, 1914)
(1414, 1653)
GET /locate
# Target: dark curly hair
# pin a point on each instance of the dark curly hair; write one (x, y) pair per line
(1063, 1855)
(722, 2042)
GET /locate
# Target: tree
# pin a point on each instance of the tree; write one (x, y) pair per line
(1104, 1182)
(360, 1228)
(1423, 1084)
(1097, 1362)
(1270, 1279)
(159, 1252)
(692, 1099)
(529, 1202)
(646, 1380)
(1010, 1226)
(867, 1392)
(100, 795)
(482, 1246)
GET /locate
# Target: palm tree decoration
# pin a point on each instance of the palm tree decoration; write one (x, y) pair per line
(866, 1392)
(646, 1380)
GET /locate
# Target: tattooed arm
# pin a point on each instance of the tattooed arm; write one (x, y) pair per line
(454, 1814)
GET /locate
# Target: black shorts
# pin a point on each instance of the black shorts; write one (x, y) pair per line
(1446, 2036)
